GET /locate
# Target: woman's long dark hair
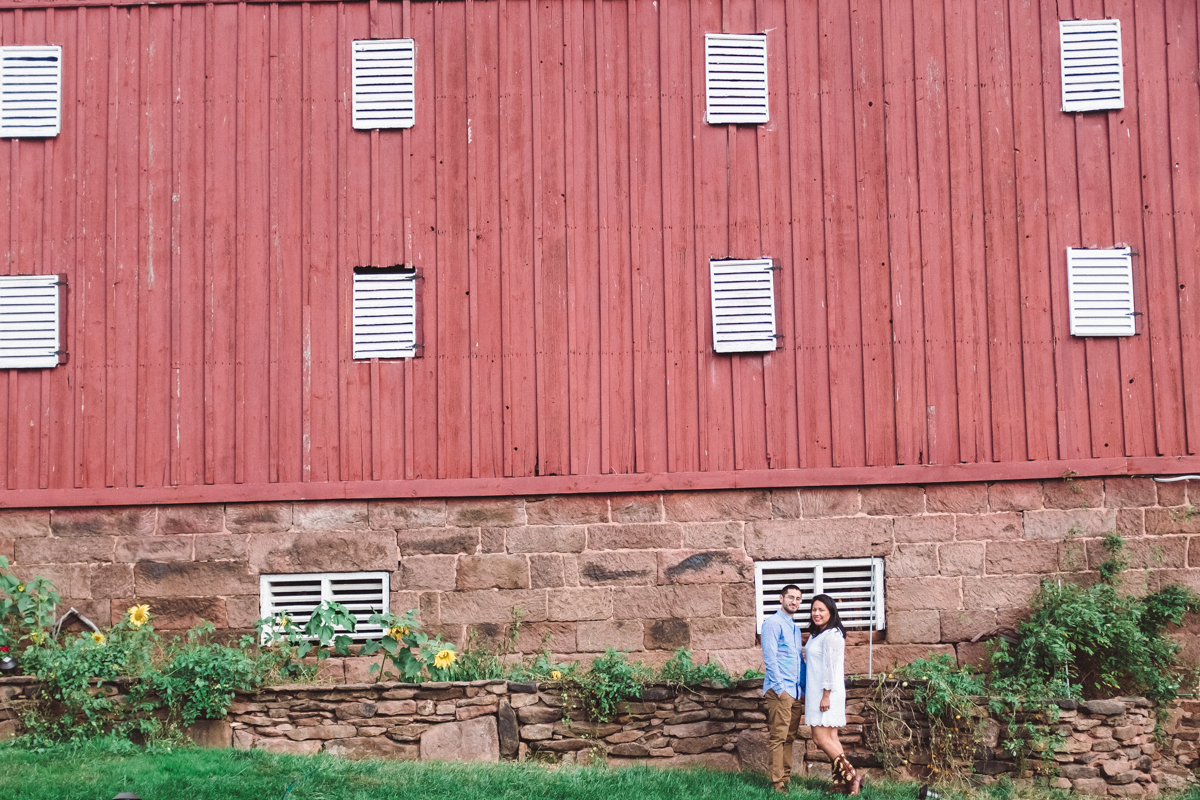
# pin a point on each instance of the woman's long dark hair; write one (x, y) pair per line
(835, 619)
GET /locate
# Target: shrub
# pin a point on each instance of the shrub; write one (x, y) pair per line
(680, 670)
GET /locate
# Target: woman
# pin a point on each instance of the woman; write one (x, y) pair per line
(825, 694)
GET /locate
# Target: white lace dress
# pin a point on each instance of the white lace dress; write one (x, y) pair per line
(824, 656)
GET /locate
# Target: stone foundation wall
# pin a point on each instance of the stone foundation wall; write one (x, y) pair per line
(646, 573)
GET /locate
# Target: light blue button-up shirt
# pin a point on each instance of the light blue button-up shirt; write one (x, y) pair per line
(783, 655)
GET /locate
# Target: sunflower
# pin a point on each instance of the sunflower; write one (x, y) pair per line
(398, 632)
(97, 637)
(555, 674)
(139, 615)
(20, 587)
(37, 637)
(444, 658)
(283, 622)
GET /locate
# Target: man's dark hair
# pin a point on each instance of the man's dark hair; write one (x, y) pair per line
(785, 589)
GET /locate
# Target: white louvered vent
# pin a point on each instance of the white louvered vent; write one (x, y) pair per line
(1100, 292)
(743, 306)
(30, 90)
(735, 78)
(29, 321)
(295, 596)
(385, 314)
(1092, 77)
(855, 583)
(383, 75)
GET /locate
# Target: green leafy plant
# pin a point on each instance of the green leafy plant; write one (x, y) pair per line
(26, 608)
(198, 677)
(681, 670)
(413, 654)
(611, 680)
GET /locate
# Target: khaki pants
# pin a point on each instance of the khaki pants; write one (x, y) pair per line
(783, 718)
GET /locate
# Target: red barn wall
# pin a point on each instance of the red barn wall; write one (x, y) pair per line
(561, 196)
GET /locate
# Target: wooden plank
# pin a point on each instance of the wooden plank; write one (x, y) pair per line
(1124, 137)
(1170, 221)
(814, 403)
(1000, 235)
(937, 250)
(780, 382)
(840, 212)
(679, 114)
(872, 155)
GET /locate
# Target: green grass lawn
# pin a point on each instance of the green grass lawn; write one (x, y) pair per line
(99, 772)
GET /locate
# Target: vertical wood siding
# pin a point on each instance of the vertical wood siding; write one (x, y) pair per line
(561, 196)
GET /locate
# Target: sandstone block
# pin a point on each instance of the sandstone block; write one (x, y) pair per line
(580, 603)
(913, 561)
(499, 512)
(635, 536)
(24, 524)
(737, 600)
(914, 627)
(1114, 767)
(470, 740)
(699, 744)
(691, 730)
(706, 566)
(961, 558)
(1171, 520)
(962, 625)
(1021, 557)
(629, 750)
(83, 522)
(713, 536)
(362, 709)
(372, 747)
(1078, 771)
(667, 634)
(596, 637)
(545, 571)
(401, 514)
(785, 504)
(1129, 492)
(1056, 524)
(1004, 525)
(889, 656)
(893, 500)
(537, 733)
(956, 498)
(1131, 522)
(1159, 552)
(722, 633)
(220, 547)
(322, 732)
(437, 541)
(492, 605)
(736, 662)
(179, 613)
(567, 509)
(208, 518)
(1015, 496)
(493, 572)
(71, 580)
(547, 539)
(507, 730)
(182, 579)
(658, 602)
(924, 594)
(818, 538)
(924, 528)
(258, 517)
(717, 506)
(1106, 708)
(154, 548)
(276, 745)
(93, 550)
(335, 515)
(830, 502)
(1073, 493)
(636, 508)
(999, 592)
(108, 580)
(426, 572)
(323, 551)
(628, 568)
(409, 733)
(1091, 786)
(210, 733)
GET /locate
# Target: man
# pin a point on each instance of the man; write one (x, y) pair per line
(784, 683)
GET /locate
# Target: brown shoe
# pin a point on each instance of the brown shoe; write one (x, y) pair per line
(849, 781)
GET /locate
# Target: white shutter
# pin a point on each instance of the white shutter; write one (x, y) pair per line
(743, 306)
(383, 77)
(1092, 77)
(295, 596)
(1100, 292)
(735, 77)
(855, 583)
(30, 90)
(29, 321)
(385, 314)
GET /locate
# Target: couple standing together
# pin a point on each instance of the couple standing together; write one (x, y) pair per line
(791, 668)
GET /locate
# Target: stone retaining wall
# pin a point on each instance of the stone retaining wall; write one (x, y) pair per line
(646, 573)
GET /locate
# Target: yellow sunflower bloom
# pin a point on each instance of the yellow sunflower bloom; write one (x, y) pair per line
(20, 587)
(139, 615)
(555, 674)
(398, 632)
(283, 622)
(37, 637)
(443, 659)
(98, 637)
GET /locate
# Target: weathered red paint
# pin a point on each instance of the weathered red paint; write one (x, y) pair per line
(561, 195)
